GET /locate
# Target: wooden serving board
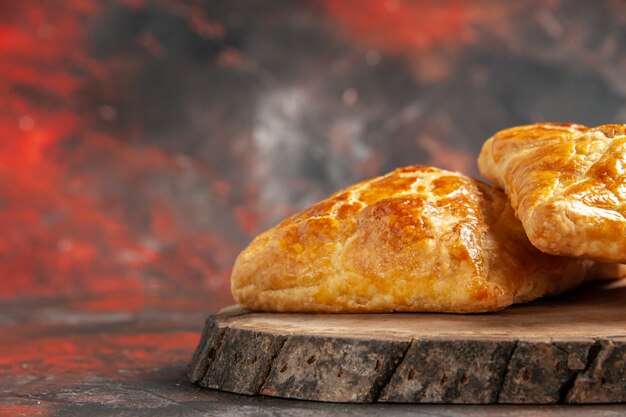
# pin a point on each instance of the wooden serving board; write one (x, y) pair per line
(567, 349)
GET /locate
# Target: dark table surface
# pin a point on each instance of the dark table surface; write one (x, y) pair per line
(145, 142)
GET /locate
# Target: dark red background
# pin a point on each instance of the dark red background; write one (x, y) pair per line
(144, 143)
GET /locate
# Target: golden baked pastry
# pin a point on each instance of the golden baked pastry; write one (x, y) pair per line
(417, 239)
(567, 184)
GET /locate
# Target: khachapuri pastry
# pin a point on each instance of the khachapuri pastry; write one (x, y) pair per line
(567, 185)
(419, 239)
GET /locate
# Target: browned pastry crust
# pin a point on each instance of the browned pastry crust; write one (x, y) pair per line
(417, 239)
(567, 184)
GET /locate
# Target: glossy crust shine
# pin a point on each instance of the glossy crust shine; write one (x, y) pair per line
(567, 184)
(417, 239)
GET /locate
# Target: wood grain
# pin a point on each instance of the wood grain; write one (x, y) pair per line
(567, 349)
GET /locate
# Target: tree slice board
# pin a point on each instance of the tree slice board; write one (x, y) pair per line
(567, 349)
